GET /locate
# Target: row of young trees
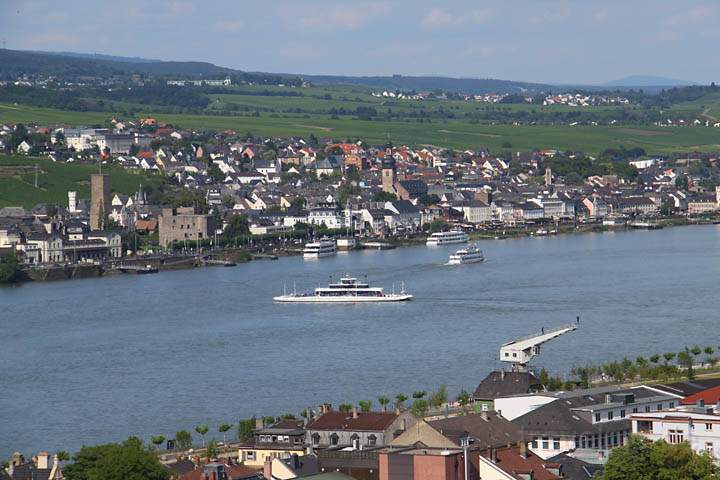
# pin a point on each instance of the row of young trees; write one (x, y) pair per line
(669, 365)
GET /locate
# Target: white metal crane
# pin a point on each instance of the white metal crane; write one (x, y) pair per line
(519, 352)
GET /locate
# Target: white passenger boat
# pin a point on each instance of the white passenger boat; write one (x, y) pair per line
(347, 290)
(446, 238)
(325, 247)
(467, 255)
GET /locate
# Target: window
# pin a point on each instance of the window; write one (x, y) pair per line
(675, 436)
(372, 440)
(644, 426)
(334, 439)
(582, 442)
(534, 443)
(708, 426)
(250, 455)
(610, 415)
(597, 417)
(647, 408)
(709, 448)
(315, 439)
(672, 405)
(545, 444)
(635, 410)
(596, 440)
(622, 413)
(556, 443)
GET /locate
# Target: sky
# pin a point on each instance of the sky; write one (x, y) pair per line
(547, 41)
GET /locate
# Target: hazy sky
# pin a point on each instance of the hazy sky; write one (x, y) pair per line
(579, 41)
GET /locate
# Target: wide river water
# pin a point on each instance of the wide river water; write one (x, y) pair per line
(96, 360)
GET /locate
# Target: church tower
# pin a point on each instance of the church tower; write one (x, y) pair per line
(388, 170)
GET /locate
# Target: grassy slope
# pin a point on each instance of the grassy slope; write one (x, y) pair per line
(707, 105)
(455, 133)
(55, 180)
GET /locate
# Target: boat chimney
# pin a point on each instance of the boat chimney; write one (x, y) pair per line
(354, 412)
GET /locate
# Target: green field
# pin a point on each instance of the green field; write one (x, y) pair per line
(707, 106)
(55, 180)
(450, 133)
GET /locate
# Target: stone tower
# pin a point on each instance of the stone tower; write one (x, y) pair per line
(72, 202)
(548, 177)
(99, 200)
(388, 171)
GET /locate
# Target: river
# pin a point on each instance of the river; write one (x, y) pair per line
(95, 360)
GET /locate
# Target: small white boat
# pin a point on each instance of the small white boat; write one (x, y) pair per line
(446, 238)
(347, 290)
(325, 247)
(467, 255)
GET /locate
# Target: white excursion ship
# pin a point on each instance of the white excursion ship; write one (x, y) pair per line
(446, 238)
(325, 247)
(348, 290)
(463, 256)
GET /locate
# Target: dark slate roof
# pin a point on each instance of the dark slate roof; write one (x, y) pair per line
(500, 384)
(574, 468)
(556, 417)
(687, 388)
(404, 206)
(28, 471)
(488, 429)
(414, 187)
(181, 467)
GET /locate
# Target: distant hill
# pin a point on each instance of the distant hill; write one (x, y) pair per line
(648, 81)
(16, 62)
(99, 56)
(429, 83)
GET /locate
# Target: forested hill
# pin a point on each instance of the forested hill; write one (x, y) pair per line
(14, 63)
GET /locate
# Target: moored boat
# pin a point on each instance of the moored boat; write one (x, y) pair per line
(325, 247)
(347, 290)
(446, 238)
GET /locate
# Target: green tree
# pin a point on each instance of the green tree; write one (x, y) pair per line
(685, 359)
(464, 398)
(9, 268)
(129, 460)
(384, 400)
(419, 394)
(63, 456)
(202, 430)
(641, 459)
(419, 408)
(438, 397)
(365, 405)
(223, 428)
(345, 407)
(544, 377)
(237, 226)
(668, 357)
(212, 451)
(655, 358)
(246, 429)
(428, 199)
(157, 440)
(183, 439)
(400, 399)
(383, 196)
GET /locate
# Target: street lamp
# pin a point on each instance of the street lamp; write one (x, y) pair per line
(465, 441)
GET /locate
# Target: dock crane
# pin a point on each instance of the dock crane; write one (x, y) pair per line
(519, 352)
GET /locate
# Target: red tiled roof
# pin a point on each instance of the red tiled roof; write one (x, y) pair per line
(367, 421)
(234, 472)
(710, 396)
(511, 462)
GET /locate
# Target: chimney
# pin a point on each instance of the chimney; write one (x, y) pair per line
(17, 459)
(354, 412)
(502, 374)
(523, 449)
(295, 461)
(267, 469)
(484, 415)
(493, 455)
(43, 460)
(259, 423)
(397, 410)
